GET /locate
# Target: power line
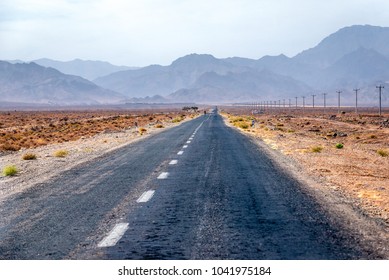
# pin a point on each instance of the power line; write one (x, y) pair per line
(356, 100)
(339, 92)
(380, 87)
(324, 95)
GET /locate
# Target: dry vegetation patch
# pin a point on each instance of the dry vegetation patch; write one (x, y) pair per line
(25, 130)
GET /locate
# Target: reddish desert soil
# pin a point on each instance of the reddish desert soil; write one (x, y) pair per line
(33, 129)
(359, 171)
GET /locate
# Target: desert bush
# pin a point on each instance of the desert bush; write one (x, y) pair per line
(29, 156)
(61, 153)
(10, 147)
(339, 146)
(142, 129)
(176, 120)
(243, 125)
(383, 153)
(316, 149)
(373, 137)
(159, 126)
(10, 170)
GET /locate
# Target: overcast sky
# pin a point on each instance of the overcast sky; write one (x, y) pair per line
(143, 32)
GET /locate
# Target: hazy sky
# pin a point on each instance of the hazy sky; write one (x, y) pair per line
(143, 32)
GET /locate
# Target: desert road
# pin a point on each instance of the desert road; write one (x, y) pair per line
(200, 190)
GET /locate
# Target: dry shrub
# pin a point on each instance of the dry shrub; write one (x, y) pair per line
(243, 125)
(29, 156)
(10, 170)
(10, 147)
(316, 149)
(383, 153)
(61, 153)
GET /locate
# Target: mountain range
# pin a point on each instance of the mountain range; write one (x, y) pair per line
(35, 84)
(86, 69)
(353, 57)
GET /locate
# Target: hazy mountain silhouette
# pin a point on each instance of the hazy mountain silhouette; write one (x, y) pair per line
(87, 69)
(32, 83)
(233, 87)
(163, 80)
(198, 78)
(345, 41)
(355, 56)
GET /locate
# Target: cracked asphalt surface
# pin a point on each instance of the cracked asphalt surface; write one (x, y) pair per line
(224, 199)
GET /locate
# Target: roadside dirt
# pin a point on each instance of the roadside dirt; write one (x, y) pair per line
(110, 131)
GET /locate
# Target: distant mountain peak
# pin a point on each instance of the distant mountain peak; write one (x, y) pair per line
(32, 83)
(194, 58)
(344, 41)
(87, 69)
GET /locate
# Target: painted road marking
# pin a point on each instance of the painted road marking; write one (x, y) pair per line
(163, 175)
(174, 161)
(185, 146)
(187, 142)
(146, 196)
(180, 153)
(114, 236)
(191, 138)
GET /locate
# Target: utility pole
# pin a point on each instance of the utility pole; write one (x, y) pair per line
(284, 102)
(290, 102)
(380, 87)
(356, 100)
(324, 95)
(339, 92)
(303, 103)
(296, 101)
(313, 100)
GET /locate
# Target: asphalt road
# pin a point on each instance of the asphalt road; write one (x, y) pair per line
(200, 190)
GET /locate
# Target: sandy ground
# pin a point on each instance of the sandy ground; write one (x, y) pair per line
(32, 172)
(355, 172)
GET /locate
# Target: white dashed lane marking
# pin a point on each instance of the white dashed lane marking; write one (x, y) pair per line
(120, 229)
(163, 175)
(187, 142)
(146, 196)
(185, 146)
(114, 236)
